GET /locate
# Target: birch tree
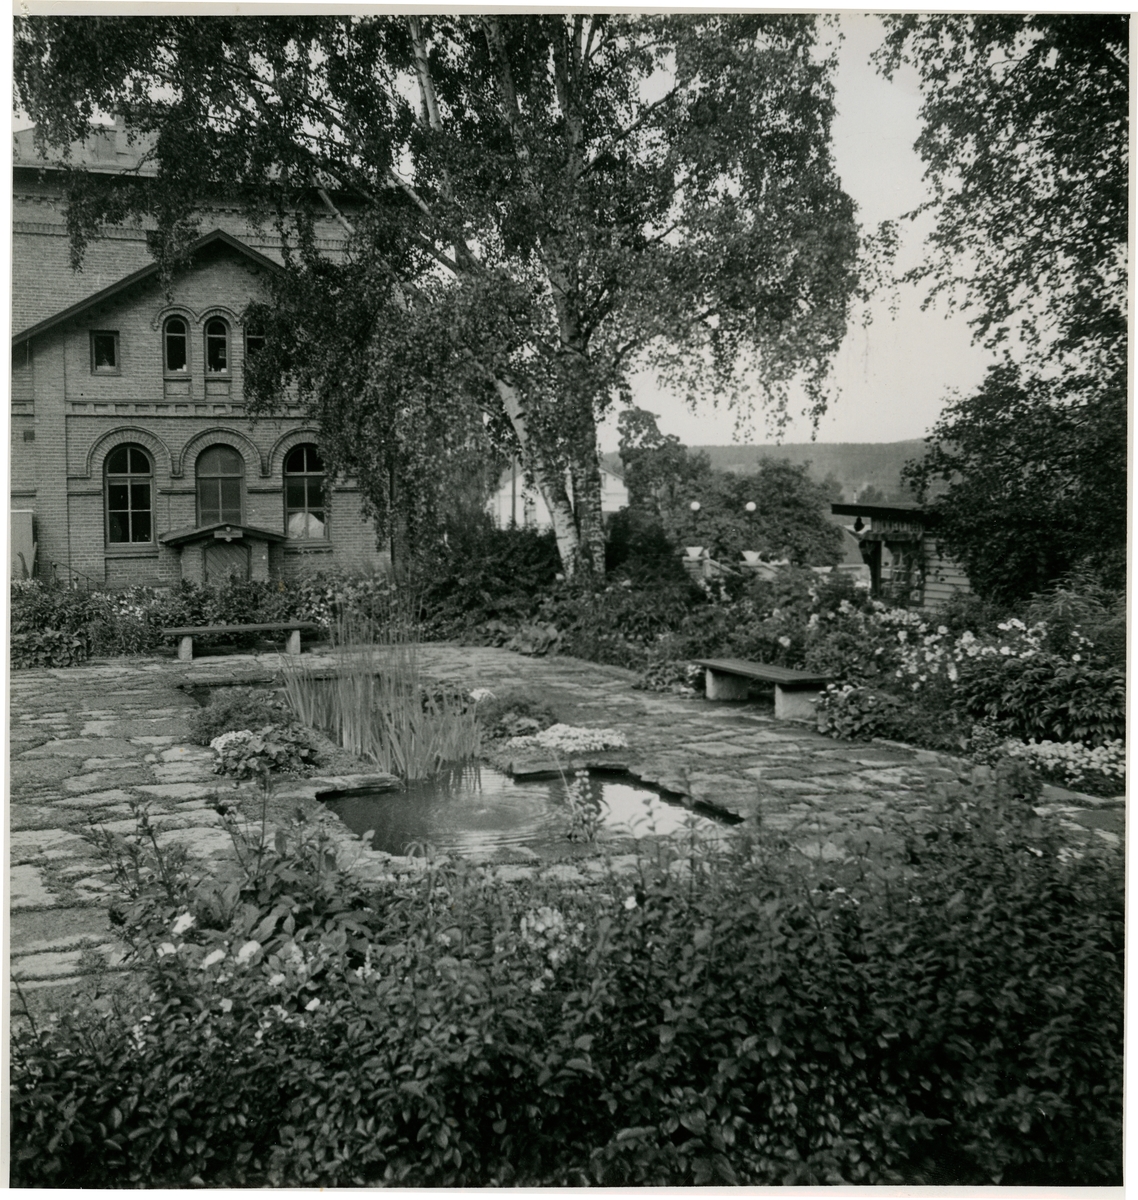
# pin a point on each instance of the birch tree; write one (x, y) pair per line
(535, 207)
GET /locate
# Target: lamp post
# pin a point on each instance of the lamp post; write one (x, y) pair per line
(694, 553)
(751, 555)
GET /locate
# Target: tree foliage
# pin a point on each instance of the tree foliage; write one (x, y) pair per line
(1025, 128)
(1041, 466)
(1025, 138)
(788, 514)
(536, 207)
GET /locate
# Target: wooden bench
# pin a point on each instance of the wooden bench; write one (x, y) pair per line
(188, 633)
(794, 691)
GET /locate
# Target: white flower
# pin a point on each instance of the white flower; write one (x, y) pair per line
(573, 739)
(184, 922)
(784, 641)
(312, 1005)
(166, 949)
(226, 1004)
(630, 903)
(214, 956)
(246, 952)
(222, 740)
(276, 980)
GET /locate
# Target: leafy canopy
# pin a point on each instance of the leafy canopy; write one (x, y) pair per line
(536, 206)
(1025, 130)
(1025, 141)
(788, 514)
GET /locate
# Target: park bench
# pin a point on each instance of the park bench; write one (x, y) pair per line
(794, 691)
(189, 632)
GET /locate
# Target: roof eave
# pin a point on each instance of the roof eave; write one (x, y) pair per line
(137, 277)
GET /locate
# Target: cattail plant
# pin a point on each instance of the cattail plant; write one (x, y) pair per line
(376, 704)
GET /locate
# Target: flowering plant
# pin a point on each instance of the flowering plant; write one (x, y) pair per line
(246, 754)
(573, 739)
(1074, 762)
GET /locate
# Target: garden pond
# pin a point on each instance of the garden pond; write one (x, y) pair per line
(474, 808)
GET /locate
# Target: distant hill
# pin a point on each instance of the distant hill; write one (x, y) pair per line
(855, 465)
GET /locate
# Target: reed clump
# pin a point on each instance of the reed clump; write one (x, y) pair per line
(377, 705)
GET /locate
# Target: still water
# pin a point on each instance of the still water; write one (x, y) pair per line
(474, 807)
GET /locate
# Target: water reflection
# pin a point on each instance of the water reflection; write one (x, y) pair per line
(473, 807)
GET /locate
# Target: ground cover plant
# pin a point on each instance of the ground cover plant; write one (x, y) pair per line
(945, 1007)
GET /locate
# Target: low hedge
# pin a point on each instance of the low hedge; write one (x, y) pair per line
(53, 626)
(945, 1008)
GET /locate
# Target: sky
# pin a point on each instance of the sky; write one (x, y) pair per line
(893, 377)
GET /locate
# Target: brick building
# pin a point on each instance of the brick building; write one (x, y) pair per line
(132, 457)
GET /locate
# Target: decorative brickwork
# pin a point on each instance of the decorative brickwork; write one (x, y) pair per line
(67, 417)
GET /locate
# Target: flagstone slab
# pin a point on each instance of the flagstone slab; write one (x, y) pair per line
(59, 929)
(81, 748)
(718, 749)
(96, 781)
(187, 754)
(32, 842)
(39, 772)
(180, 791)
(57, 964)
(26, 888)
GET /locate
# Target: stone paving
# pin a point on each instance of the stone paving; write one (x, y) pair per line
(86, 741)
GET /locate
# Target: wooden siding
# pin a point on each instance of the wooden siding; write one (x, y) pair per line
(943, 576)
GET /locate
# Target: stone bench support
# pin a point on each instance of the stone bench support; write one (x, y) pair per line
(795, 692)
(186, 636)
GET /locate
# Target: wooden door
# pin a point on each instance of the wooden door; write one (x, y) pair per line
(226, 560)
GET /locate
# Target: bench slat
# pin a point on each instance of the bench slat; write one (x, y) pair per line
(278, 626)
(787, 677)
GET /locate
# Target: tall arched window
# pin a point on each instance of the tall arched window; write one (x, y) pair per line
(305, 513)
(216, 347)
(220, 473)
(176, 346)
(129, 495)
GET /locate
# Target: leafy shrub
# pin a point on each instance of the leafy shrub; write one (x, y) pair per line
(233, 708)
(851, 712)
(50, 648)
(513, 713)
(947, 1009)
(492, 574)
(1046, 697)
(257, 754)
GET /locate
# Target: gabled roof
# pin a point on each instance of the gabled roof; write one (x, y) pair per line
(224, 530)
(217, 237)
(902, 510)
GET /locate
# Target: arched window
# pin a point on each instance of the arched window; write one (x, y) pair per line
(220, 472)
(305, 514)
(176, 341)
(216, 347)
(129, 495)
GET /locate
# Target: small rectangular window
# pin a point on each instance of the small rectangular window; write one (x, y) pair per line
(104, 352)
